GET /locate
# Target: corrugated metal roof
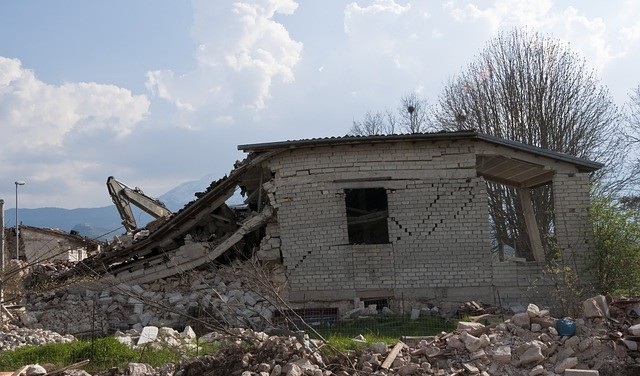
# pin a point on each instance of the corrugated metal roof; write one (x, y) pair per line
(584, 164)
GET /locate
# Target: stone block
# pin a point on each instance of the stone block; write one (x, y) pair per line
(249, 299)
(188, 333)
(137, 289)
(149, 334)
(590, 309)
(631, 345)
(532, 355)
(533, 310)
(175, 297)
(536, 371)
(502, 354)
(464, 325)
(581, 372)
(379, 348)
(138, 308)
(522, 320)
(473, 343)
(566, 364)
(145, 318)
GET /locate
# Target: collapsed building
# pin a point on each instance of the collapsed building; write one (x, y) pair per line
(372, 220)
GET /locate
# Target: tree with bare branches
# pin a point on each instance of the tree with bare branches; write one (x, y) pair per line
(411, 116)
(633, 117)
(374, 123)
(533, 89)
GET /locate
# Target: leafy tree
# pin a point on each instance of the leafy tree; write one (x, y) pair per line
(532, 89)
(617, 241)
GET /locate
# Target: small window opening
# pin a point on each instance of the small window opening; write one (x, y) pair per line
(367, 214)
(380, 303)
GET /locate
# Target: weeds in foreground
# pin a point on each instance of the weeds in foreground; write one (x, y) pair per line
(103, 353)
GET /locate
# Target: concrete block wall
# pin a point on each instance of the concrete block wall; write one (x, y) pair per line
(373, 266)
(440, 234)
(573, 233)
(432, 193)
(439, 241)
(534, 280)
(519, 282)
(311, 218)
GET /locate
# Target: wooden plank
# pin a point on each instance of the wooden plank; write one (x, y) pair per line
(392, 355)
(532, 225)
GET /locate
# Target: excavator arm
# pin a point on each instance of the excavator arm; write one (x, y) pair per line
(123, 196)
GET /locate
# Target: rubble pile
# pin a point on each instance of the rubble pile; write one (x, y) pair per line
(603, 342)
(526, 344)
(226, 296)
(159, 338)
(12, 337)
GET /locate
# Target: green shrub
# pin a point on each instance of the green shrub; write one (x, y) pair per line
(617, 242)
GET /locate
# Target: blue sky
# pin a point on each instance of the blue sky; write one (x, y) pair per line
(161, 92)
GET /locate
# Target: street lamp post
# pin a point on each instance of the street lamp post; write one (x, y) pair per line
(18, 182)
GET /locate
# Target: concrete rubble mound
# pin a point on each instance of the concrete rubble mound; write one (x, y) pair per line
(224, 295)
(602, 342)
(13, 336)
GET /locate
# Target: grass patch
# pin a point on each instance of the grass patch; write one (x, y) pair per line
(388, 329)
(103, 353)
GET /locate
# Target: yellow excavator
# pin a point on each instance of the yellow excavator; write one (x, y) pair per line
(123, 196)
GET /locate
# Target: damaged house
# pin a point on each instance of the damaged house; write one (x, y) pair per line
(39, 245)
(378, 219)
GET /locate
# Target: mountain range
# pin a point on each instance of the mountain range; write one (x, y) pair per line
(103, 223)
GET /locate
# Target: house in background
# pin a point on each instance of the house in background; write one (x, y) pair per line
(381, 219)
(41, 245)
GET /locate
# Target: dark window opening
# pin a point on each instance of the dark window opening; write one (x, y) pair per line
(380, 303)
(367, 214)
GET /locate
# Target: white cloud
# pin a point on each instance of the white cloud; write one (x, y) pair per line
(241, 51)
(378, 27)
(40, 121)
(502, 13)
(600, 39)
(42, 115)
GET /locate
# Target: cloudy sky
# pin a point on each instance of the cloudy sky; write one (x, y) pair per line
(159, 92)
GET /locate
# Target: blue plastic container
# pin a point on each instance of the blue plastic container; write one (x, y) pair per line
(566, 327)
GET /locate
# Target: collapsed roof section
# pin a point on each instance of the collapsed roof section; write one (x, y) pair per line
(203, 230)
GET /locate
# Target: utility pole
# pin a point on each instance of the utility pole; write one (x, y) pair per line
(2, 252)
(18, 182)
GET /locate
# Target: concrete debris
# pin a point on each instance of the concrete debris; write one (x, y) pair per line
(503, 348)
(228, 300)
(12, 337)
(222, 296)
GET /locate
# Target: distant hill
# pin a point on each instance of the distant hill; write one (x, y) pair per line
(103, 223)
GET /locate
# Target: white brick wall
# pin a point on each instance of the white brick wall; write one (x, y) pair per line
(438, 223)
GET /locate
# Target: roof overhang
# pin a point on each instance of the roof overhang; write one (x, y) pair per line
(513, 172)
(583, 165)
